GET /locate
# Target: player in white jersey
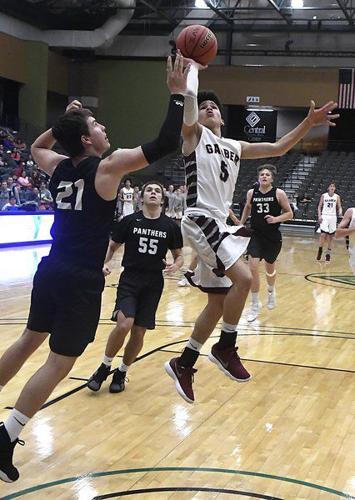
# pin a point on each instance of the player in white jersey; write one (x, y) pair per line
(211, 168)
(347, 228)
(328, 208)
(126, 196)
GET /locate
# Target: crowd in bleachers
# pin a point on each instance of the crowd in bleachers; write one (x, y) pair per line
(23, 186)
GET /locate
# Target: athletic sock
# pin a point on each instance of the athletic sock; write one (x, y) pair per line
(255, 298)
(226, 340)
(107, 360)
(188, 357)
(123, 368)
(15, 423)
(228, 327)
(194, 345)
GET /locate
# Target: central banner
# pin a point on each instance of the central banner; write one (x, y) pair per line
(259, 125)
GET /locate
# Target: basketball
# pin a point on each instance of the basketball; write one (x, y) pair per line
(198, 43)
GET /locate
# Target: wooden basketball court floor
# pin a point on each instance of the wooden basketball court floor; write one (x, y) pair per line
(287, 434)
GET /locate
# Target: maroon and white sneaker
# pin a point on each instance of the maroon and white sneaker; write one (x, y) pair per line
(229, 363)
(183, 377)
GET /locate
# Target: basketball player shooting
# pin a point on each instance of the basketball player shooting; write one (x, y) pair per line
(211, 168)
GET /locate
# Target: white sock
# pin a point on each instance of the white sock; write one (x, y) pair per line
(123, 367)
(270, 288)
(107, 360)
(1, 387)
(228, 328)
(194, 345)
(15, 423)
(255, 298)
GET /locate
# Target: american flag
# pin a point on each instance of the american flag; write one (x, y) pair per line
(346, 99)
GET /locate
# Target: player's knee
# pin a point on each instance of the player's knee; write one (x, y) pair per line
(30, 341)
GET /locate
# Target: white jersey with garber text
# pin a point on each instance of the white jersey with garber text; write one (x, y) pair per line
(352, 242)
(330, 204)
(127, 204)
(211, 174)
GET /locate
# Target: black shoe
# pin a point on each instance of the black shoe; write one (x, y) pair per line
(101, 374)
(8, 471)
(118, 381)
(319, 254)
(327, 257)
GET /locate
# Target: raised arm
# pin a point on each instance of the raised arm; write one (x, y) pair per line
(247, 207)
(122, 161)
(191, 129)
(321, 116)
(343, 228)
(41, 150)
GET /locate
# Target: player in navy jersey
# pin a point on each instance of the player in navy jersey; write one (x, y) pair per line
(269, 206)
(211, 169)
(67, 287)
(147, 236)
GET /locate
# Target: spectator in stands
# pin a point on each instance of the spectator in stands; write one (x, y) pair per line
(45, 194)
(4, 194)
(15, 155)
(169, 201)
(178, 205)
(11, 206)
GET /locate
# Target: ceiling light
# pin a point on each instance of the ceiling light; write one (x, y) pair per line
(200, 4)
(297, 4)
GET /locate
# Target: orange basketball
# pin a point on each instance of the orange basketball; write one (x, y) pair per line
(198, 43)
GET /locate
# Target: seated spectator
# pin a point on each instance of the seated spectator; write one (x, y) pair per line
(11, 206)
(45, 194)
(4, 194)
(20, 144)
(15, 155)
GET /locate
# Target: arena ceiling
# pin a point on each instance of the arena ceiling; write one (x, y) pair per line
(161, 17)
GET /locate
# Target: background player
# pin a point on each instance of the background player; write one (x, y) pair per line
(346, 228)
(266, 204)
(147, 236)
(126, 198)
(328, 208)
(67, 287)
(211, 167)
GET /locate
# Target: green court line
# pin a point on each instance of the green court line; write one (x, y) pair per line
(43, 486)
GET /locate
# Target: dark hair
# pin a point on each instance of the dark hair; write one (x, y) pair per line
(149, 183)
(267, 166)
(69, 128)
(332, 183)
(209, 95)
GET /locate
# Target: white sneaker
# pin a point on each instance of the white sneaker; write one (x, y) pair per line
(271, 299)
(183, 282)
(253, 312)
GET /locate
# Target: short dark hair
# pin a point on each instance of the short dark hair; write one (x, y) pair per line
(267, 166)
(149, 183)
(209, 95)
(69, 128)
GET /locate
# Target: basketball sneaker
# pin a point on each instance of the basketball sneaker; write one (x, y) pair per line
(183, 377)
(183, 282)
(8, 471)
(229, 363)
(118, 381)
(327, 257)
(96, 380)
(271, 299)
(253, 312)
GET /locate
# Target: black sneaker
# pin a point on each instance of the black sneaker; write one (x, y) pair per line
(319, 254)
(118, 381)
(101, 374)
(8, 471)
(327, 257)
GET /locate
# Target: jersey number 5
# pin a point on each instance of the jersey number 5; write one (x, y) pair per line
(224, 171)
(145, 244)
(68, 191)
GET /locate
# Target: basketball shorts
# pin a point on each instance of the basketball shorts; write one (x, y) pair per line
(261, 247)
(66, 302)
(138, 296)
(127, 208)
(328, 224)
(218, 247)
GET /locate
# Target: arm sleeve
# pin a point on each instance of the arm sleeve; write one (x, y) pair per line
(191, 106)
(175, 239)
(168, 139)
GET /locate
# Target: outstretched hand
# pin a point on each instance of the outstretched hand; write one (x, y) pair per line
(73, 105)
(323, 115)
(176, 74)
